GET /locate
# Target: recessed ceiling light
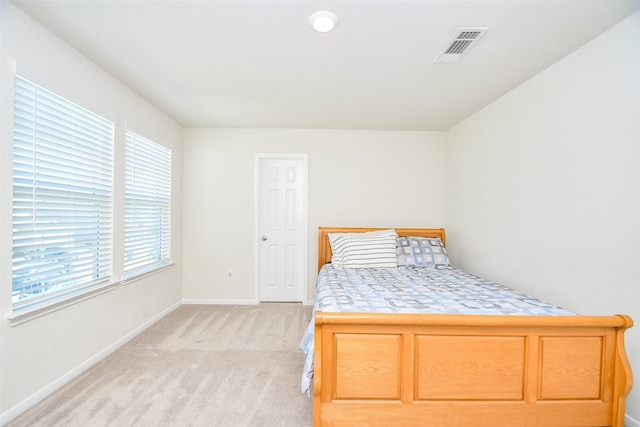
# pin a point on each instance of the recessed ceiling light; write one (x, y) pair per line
(323, 21)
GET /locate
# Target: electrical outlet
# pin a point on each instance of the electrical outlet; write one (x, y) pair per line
(230, 274)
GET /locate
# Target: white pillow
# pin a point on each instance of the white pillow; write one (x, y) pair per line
(371, 249)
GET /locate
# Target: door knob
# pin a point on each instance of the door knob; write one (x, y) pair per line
(264, 238)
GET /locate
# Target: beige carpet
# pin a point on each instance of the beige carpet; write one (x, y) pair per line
(201, 365)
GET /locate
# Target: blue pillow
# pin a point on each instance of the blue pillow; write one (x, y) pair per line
(421, 252)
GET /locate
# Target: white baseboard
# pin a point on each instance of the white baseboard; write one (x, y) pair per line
(227, 302)
(630, 422)
(221, 301)
(29, 402)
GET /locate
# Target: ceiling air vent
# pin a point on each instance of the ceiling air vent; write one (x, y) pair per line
(463, 41)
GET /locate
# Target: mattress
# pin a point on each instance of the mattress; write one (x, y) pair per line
(440, 290)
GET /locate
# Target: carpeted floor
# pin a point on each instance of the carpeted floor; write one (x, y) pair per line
(201, 365)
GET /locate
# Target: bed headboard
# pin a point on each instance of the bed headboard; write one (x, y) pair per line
(324, 248)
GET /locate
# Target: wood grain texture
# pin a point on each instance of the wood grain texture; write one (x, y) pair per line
(449, 367)
(377, 377)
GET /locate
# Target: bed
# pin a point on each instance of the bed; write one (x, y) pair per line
(415, 369)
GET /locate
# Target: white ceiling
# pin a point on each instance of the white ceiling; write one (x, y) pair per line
(258, 64)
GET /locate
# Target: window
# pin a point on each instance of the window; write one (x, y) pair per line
(62, 197)
(147, 227)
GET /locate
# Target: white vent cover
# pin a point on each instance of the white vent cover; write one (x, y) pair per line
(461, 43)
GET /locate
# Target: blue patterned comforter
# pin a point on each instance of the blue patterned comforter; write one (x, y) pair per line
(443, 290)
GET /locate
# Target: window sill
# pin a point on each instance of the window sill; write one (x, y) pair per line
(143, 274)
(19, 317)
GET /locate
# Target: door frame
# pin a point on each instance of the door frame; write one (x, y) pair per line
(304, 157)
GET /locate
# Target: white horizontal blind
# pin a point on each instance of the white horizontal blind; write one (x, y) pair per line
(147, 227)
(62, 196)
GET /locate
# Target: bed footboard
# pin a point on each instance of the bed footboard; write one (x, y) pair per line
(463, 370)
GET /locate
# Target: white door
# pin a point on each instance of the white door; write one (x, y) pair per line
(281, 227)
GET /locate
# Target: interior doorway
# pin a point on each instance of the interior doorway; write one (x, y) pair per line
(281, 227)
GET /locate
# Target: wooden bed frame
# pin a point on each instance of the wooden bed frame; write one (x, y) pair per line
(466, 370)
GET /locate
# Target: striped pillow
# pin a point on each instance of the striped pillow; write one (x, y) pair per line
(373, 249)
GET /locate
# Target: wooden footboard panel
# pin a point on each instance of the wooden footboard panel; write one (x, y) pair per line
(443, 370)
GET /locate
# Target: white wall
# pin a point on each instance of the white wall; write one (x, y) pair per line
(40, 353)
(356, 178)
(543, 186)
